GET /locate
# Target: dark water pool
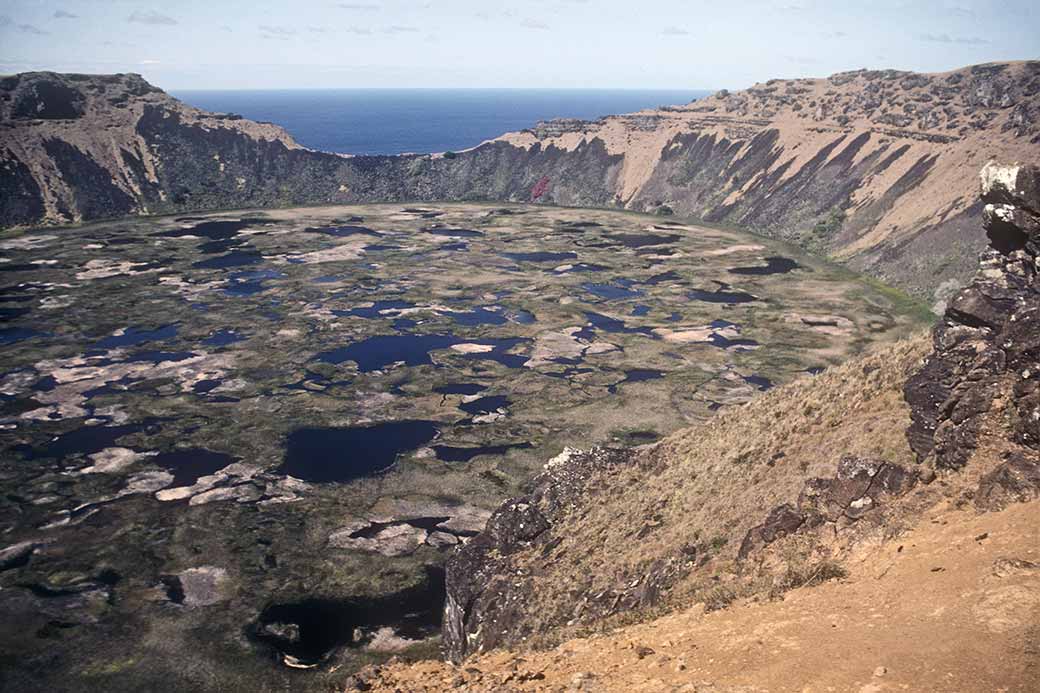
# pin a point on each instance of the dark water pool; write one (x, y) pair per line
(380, 351)
(758, 381)
(312, 629)
(669, 276)
(478, 316)
(543, 256)
(447, 453)
(613, 325)
(774, 265)
(374, 311)
(343, 231)
(326, 455)
(720, 295)
(160, 356)
(12, 335)
(637, 375)
(236, 258)
(485, 405)
(87, 440)
(188, 465)
(214, 230)
(523, 317)
(460, 389)
(642, 240)
(456, 233)
(250, 282)
(610, 292)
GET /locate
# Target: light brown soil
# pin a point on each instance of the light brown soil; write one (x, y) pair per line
(952, 605)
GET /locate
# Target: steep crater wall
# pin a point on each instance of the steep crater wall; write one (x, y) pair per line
(868, 167)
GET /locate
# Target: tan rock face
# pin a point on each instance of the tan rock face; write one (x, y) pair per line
(872, 167)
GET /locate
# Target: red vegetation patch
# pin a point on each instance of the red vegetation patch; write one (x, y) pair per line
(540, 188)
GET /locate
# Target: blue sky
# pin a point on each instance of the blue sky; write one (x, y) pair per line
(490, 43)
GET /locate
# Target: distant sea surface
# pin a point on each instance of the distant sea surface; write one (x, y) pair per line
(393, 121)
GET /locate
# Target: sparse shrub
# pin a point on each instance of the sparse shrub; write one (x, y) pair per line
(807, 574)
(450, 155)
(664, 211)
(831, 224)
(719, 597)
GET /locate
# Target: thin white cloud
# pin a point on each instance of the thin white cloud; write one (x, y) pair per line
(276, 32)
(674, 31)
(399, 29)
(357, 6)
(64, 14)
(946, 38)
(6, 21)
(533, 24)
(961, 11)
(151, 17)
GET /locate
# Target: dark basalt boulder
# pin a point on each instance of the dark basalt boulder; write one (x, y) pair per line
(859, 487)
(1017, 480)
(781, 521)
(987, 346)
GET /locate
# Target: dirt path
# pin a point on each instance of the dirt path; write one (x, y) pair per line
(953, 605)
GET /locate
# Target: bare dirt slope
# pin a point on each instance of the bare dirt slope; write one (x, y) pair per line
(952, 605)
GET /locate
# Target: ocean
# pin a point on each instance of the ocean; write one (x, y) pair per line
(393, 121)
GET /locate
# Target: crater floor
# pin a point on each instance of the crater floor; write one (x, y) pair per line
(212, 424)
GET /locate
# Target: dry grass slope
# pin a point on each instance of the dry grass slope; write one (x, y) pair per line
(696, 494)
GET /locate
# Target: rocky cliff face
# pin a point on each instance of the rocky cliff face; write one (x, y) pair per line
(868, 166)
(76, 147)
(605, 537)
(987, 348)
(871, 167)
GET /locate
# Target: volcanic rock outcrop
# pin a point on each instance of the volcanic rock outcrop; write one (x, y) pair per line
(870, 167)
(987, 348)
(846, 461)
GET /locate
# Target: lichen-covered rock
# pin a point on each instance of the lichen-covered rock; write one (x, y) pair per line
(987, 346)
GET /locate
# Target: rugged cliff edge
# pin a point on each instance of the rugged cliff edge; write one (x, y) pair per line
(779, 493)
(867, 166)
